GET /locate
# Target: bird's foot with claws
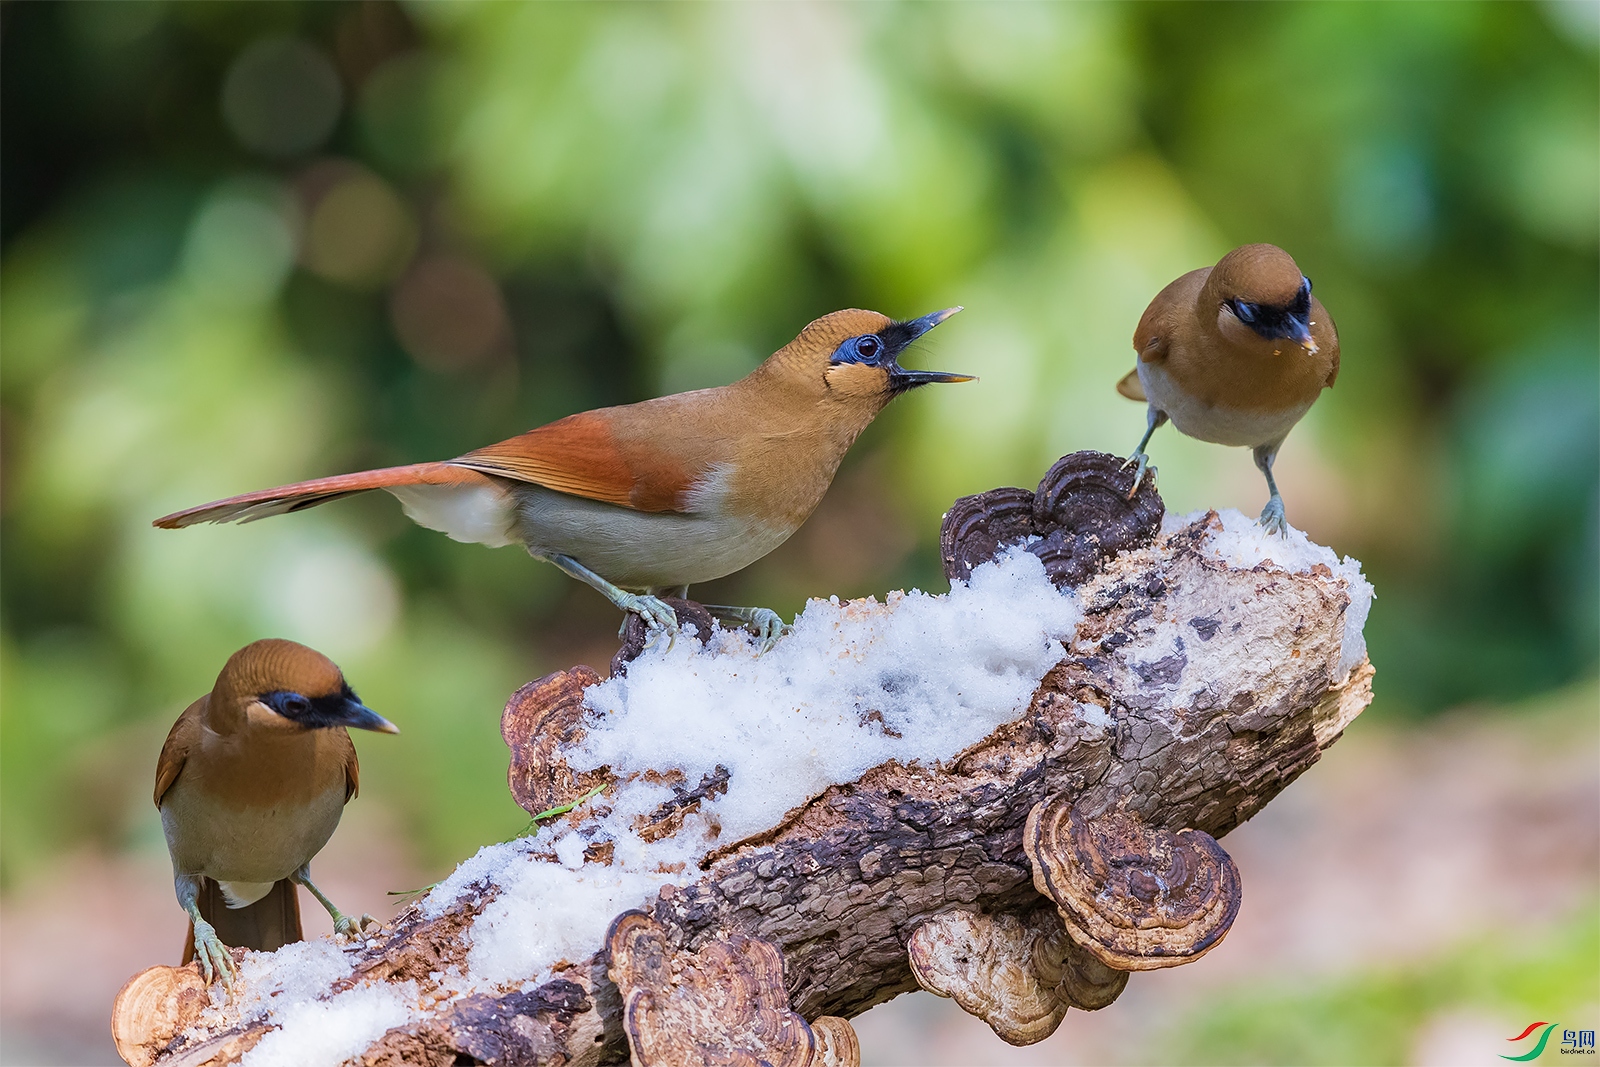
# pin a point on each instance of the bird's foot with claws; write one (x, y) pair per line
(1272, 517)
(1140, 461)
(765, 623)
(354, 929)
(656, 613)
(214, 958)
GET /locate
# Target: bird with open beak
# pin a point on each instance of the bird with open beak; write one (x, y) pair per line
(1234, 354)
(251, 784)
(647, 499)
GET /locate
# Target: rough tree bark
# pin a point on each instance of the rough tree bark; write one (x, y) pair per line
(1190, 695)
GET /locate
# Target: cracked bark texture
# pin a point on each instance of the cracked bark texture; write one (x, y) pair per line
(1191, 693)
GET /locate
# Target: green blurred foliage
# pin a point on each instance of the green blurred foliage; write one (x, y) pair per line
(524, 210)
(1384, 1016)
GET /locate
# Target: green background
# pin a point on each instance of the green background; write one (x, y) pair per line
(248, 243)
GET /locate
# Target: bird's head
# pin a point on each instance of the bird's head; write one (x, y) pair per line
(281, 685)
(852, 357)
(1261, 297)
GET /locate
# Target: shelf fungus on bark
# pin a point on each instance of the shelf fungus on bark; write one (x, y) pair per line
(1078, 517)
(837, 1045)
(1019, 975)
(155, 1006)
(1075, 972)
(724, 1004)
(1137, 897)
(541, 718)
(976, 528)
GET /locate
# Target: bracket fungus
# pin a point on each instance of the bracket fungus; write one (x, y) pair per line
(976, 528)
(540, 718)
(724, 1004)
(837, 1044)
(1138, 897)
(155, 1006)
(1075, 972)
(1019, 975)
(1084, 511)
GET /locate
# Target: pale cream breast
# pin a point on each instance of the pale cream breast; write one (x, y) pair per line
(642, 550)
(256, 804)
(245, 844)
(1196, 415)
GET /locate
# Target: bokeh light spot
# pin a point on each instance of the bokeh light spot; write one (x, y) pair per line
(1385, 204)
(360, 232)
(241, 244)
(395, 111)
(281, 97)
(335, 597)
(448, 313)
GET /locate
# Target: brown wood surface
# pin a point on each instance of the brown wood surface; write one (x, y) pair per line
(840, 885)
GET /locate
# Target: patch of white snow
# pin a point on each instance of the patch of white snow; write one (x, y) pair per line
(917, 678)
(326, 1033)
(1243, 542)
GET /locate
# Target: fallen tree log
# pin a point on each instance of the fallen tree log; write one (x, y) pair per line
(1027, 872)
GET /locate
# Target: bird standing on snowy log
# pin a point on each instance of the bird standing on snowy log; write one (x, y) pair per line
(1234, 354)
(251, 784)
(646, 499)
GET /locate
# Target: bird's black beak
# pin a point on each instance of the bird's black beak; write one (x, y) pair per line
(918, 327)
(355, 714)
(900, 379)
(1298, 330)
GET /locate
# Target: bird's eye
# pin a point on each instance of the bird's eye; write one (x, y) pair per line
(1305, 283)
(1244, 312)
(868, 347)
(295, 704)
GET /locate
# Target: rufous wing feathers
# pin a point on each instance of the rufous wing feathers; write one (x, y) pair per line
(581, 455)
(175, 751)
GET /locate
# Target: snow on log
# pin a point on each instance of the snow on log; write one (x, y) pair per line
(1009, 794)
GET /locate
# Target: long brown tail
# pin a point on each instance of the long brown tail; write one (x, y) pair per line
(268, 924)
(285, 498)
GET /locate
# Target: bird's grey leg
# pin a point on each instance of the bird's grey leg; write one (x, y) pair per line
(1272, 516)
(208, 947)
(767, 624)
(343, 925)
(656, 613)
(1156, 419)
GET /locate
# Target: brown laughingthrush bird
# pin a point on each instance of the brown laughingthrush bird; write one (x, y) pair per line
(251, 784)
(1234, 354)
(649, 498)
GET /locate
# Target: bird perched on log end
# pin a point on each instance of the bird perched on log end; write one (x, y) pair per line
(1234, 354)
(644, 500)
(251, 784)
